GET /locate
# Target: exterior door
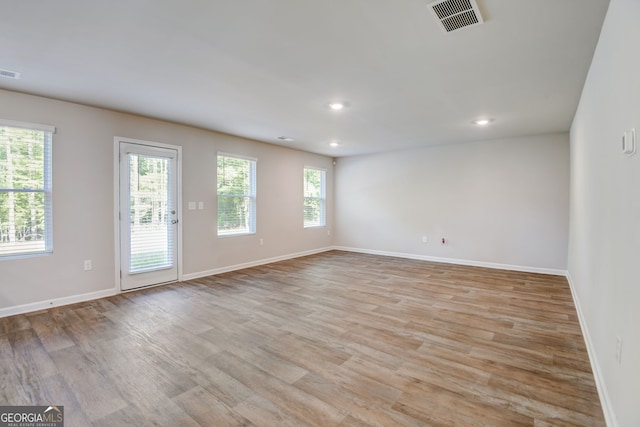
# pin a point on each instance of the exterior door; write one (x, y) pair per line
(148, 215)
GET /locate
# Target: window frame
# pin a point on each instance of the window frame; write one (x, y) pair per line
(47, 188)
(252, 196)
(322, 198)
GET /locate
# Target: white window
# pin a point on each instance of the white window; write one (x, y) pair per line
(236, 195)
(25, 189)
(314, 197)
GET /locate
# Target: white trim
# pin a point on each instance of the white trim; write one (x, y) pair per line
(116, 210)
(27, 125)
(151, 144)
(322, 198)
(605, 400)
(252, 195)
(256, 263)
(46, 191)
(56, 302)
(603, 393)
(235, 267)
(9, 311)
(116, 199)
(317, 168)
(73, 299)
(551, 271)
(236, 156)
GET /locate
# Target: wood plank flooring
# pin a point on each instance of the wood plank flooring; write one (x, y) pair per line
(334, 339)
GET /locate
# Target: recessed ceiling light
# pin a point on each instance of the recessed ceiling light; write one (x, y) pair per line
(334, 143)
(286, 138)
(482, 122)
(337, 106)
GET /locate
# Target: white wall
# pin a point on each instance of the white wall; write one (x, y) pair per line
(83, 194)
(498, 202)
(604, 244)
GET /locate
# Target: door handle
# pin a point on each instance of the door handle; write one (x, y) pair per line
(174, 221)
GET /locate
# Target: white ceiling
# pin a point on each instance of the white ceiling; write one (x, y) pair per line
(261, 69)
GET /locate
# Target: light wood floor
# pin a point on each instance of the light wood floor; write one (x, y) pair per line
(331, 339)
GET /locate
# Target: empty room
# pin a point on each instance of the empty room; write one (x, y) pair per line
(339, 213)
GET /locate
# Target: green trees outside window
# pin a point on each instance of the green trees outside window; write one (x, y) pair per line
(25, 191)
(149, 204)
(236, 195)
(314, 197)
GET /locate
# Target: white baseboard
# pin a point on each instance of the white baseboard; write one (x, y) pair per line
(595, 366)
(73, 299)
(550, 271)
(57, 302)
(256, 263)
(605, 400)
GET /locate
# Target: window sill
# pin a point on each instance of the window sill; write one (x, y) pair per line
(11, 257)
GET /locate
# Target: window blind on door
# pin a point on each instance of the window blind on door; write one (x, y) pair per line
(150, 213)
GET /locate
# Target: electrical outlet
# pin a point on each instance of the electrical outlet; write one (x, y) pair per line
(88, 265)
(619, 349)
(424, 239)
(261, 242)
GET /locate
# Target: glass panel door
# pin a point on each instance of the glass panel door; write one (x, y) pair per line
(148, 215)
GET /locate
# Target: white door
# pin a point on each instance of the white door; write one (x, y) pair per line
(148, 215)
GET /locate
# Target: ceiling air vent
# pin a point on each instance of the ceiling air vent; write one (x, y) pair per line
(9, 74)
(456, 14)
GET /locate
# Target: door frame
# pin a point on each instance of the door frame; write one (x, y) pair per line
(116, 203)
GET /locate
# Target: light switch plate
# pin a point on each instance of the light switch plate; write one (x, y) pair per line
(629, 142)
(192, 206)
